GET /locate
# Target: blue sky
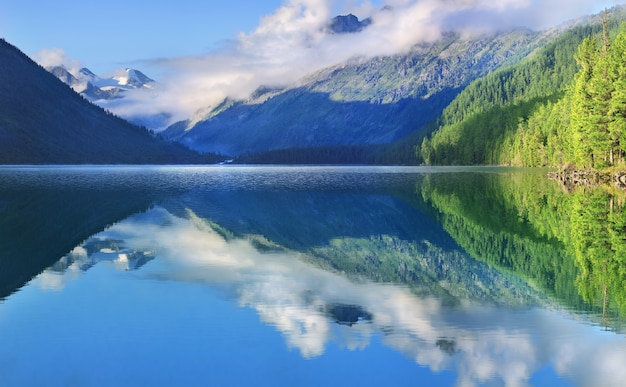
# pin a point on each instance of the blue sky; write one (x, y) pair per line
(201, 52)
(118, 31)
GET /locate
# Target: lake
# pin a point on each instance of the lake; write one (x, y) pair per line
(307, 276)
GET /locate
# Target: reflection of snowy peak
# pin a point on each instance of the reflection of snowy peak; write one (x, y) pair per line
(97, 250)
(95, 88)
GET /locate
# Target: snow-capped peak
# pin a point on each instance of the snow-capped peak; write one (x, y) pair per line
(133, 78)
(86, 73)
(95, 88)
(109, 91)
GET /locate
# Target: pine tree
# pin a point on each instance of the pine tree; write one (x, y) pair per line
(601, 88)
(617, 106)
(582, 102)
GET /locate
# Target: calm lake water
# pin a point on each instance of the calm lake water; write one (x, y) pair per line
(308, 276)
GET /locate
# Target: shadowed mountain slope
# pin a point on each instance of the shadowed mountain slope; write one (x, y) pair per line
(43, 121)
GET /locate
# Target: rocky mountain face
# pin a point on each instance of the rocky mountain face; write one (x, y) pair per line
(363, 101)
(348, 24)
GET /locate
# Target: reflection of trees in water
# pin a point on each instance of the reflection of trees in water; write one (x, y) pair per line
(598, 224)
(571, 244)
(506, 221)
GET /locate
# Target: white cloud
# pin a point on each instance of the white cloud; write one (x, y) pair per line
(57, 57)
(287, 45)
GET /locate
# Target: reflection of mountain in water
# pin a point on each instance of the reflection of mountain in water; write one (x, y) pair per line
(347, 314)
(365, 225)
(375, 236)
(441, 268)
(46, 212)
(97, 250)
(355, 221)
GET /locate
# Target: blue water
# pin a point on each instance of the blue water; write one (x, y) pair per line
(229, 276)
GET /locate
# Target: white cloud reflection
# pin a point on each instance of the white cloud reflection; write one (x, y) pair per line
(481, 344)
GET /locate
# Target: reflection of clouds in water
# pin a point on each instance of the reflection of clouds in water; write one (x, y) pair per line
(481, 344)
(49, 280)
(603, 363)
(509, 356)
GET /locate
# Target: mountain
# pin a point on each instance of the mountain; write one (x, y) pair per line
(520, 115)
(110, 92)
(95, 88)
(43, 121)
(348, 24)
(360, 102)
(133, 78)
(82, 83)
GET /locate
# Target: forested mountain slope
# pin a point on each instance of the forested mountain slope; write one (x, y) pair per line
(490, 121)
(43, 121)
(373, 101)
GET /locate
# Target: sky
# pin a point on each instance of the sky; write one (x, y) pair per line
(203, 51)
(115, 33)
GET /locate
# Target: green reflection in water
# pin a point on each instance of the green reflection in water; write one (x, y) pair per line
(598, 226)
(571, 244)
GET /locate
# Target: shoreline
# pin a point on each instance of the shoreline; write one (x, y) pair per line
(571, 177)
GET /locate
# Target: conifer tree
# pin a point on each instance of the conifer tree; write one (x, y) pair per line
(617, 106)
(582, 101)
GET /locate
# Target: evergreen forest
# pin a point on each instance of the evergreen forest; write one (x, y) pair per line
(565, 105)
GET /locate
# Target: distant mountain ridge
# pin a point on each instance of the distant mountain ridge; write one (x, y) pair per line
(110, 92)
(361, 105)
(95, 88)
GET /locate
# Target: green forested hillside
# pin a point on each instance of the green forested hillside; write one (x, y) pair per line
(521, 115)
(585, 126)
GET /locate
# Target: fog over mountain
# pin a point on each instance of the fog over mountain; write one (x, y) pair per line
(297, 39)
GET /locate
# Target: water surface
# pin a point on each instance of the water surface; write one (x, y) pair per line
(307, 276)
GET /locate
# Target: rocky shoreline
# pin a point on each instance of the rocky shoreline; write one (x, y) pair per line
(571, 177)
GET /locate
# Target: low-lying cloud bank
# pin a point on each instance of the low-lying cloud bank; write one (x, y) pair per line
(294, 41)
